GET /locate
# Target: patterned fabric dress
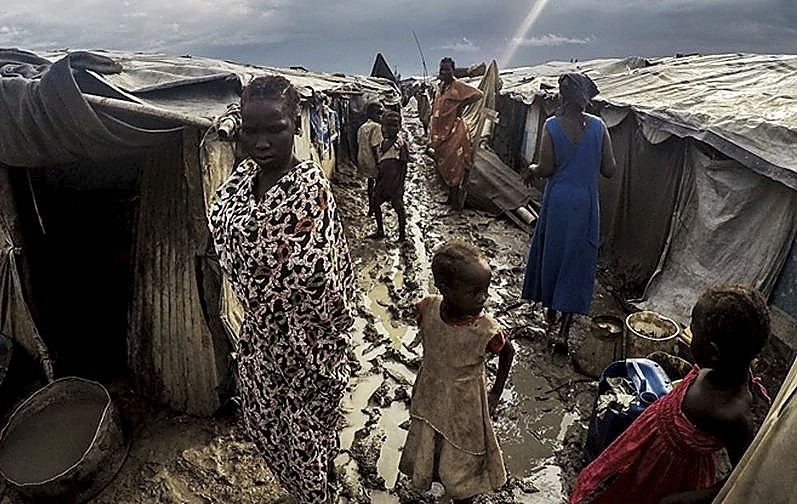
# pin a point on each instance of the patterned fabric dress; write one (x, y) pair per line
(451, 437)
(288, 262)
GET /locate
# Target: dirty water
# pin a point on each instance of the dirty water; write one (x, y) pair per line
(50, 441)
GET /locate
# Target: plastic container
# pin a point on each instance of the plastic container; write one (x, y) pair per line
(650, 383)
(64, 443)
(647, 332)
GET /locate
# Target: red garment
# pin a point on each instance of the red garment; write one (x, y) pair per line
(496, 343)
(660, 454)
(449, 133)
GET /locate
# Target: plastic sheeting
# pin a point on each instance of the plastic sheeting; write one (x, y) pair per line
(637, 205)
(785, 293)
(489, 85)
(47, 120)
(743, 105)
(15, 318)
(731, 225)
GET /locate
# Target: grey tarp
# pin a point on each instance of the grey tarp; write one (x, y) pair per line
(15, 318)
(743, 105)
(765, 475)
(732, 225)
(637, 205)
(47, 121)
(785, 293)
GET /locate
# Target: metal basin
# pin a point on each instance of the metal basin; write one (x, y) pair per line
(64, 443)
(648, 332)
(601, 347)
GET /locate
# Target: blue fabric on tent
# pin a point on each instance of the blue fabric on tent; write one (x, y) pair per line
(563, 255)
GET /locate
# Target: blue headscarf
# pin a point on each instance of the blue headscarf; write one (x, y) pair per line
(576, 89)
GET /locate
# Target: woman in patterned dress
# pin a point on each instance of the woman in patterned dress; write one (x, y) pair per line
(280, 242)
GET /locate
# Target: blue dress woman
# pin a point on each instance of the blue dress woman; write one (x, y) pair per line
(563, 256)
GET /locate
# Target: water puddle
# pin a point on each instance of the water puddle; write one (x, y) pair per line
(353, 404)
(533, 420)
(389, 422)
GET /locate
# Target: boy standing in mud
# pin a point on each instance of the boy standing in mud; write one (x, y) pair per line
(393, 156)
(369, 136)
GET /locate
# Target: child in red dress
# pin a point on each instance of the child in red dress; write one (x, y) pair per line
(667, 455)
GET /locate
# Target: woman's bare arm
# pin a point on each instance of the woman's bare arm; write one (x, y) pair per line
(608, 163)
(546, 168)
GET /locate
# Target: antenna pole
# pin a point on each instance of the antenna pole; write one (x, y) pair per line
(423, 60)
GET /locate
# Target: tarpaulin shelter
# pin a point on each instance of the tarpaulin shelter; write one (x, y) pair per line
(382, 69)
(105, 176)
(706, 186)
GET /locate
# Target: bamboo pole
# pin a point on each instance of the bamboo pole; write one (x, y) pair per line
(147, 110)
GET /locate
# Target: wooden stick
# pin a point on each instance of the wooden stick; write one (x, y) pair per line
(147, 110)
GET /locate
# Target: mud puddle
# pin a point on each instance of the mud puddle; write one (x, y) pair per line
(541, 420)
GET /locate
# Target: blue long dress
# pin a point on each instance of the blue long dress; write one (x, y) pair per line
(563, 256)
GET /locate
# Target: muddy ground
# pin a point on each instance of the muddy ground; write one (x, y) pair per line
(541, 421)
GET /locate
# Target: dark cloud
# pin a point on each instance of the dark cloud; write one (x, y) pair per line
(346, 35)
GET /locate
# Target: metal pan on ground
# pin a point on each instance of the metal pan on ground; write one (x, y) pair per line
(64, 443)
(601, 346)
(648, 331)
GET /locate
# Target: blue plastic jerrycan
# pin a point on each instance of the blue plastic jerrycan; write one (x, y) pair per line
(649, 381)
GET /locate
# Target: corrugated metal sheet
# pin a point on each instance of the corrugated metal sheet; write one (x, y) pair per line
(170, 347)
(490, 179)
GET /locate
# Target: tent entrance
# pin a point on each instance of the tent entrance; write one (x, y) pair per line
(79, 232)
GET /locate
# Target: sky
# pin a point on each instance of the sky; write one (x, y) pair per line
(345, 35)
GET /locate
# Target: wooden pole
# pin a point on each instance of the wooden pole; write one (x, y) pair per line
(147, 110)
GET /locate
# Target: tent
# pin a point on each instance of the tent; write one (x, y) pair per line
(106, 163)
(382, 69)
(706, 187)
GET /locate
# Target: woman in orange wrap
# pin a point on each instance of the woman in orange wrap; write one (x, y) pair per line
(449, 133)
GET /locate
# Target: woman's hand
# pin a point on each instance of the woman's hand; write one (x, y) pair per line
(530, 175)
(492, 402)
